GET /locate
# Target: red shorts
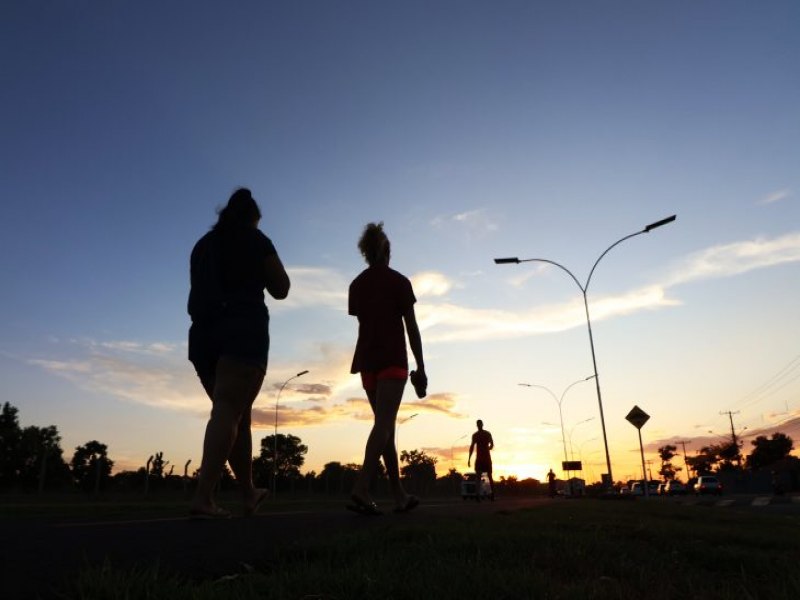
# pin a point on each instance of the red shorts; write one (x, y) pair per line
(370, 380)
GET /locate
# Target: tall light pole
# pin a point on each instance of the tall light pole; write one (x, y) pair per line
(275, 440)
(571, 431)
(584, 288)
(559, 401)
(453, 446)
(397, 429)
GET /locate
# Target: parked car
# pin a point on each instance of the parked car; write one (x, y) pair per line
(675, 488)
(474, 487)
(637, 488)
(708, 484)
(662, 488)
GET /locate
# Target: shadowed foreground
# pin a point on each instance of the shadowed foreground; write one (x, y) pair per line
(533, 549)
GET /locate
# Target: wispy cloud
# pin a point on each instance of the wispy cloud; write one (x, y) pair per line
(476, 222)
(775, 197)
(734, 259)
(314, 287)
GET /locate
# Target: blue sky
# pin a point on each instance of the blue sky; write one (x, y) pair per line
(473, 130)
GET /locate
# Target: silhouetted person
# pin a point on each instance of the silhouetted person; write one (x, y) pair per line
(231, 266)
(482, 440)
(551, 483)
(383, 300)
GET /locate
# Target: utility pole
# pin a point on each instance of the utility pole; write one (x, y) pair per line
(685, 463)
(733, 435)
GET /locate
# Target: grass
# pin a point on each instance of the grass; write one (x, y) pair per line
(564, 550)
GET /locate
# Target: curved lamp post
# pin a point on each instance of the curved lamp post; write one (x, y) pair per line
(275, 447)
(584, 288)
(559, 401)
(453, 445)
(571, 431)
(397, 429)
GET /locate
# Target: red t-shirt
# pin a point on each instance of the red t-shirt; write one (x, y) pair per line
(379, 297)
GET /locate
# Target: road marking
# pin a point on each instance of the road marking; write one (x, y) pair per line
(726, 502)
(761, 501)
(796, 499)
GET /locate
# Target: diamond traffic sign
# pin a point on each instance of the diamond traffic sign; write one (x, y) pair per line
(637, 417)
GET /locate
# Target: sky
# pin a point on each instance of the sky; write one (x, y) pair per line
(473, 130)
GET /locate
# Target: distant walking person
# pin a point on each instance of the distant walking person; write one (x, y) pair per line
(231, 266)
(551, 483)
(482, 440)
(383, 300)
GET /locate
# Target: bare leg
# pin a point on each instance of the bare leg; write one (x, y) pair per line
(381, 439)
(233, 396)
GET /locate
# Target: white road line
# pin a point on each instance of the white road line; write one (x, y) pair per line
(761, 501)
(726, 502)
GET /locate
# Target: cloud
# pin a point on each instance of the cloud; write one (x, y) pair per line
(475, 222)
(448, 322)
(775, 197)
(440, 403)
(312, 286)
(430, 283)
(734, 259)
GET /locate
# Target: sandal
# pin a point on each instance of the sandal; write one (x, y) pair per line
(363, 507)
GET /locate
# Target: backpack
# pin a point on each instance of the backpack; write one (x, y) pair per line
(206, 298)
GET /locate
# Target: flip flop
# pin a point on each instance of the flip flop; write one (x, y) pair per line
(412, 502)
(363, 507)
(209, 515)
(249, 511)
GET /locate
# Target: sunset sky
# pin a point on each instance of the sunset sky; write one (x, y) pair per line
(473, 130)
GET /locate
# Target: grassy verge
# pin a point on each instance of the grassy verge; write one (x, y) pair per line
(587, 549)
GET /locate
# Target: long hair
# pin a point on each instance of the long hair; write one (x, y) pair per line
(240, 211)
(374, 245)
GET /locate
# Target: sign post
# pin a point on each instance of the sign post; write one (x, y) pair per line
(637, 417)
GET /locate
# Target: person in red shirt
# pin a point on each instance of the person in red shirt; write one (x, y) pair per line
(482, 440)
(383, 301)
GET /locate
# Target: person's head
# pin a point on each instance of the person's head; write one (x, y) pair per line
(479, 423)
(374, 245)
(240, 211)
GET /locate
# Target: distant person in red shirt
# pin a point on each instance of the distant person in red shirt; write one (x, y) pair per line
(482, 440)
(383, 301)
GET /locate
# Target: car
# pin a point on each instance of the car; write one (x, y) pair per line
(475, 487)
(708, 484)
(662, 489)
(637, 488)
(674, 488)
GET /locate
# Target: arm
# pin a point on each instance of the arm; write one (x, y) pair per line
(491, 442)
(471, 446)
(414, 338)
(277, 281)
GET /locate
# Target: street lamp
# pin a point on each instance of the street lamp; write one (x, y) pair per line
(453, 446)
(571, 431)
(275, 446)
(559, 401)
(397, 429)
(584, 288)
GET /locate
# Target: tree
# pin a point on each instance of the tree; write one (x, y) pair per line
(704, 461)
(420, 469)
(291, 456)
(10, 434)
(767, 451)
(40, 459)
(667, 470)
(91, 467)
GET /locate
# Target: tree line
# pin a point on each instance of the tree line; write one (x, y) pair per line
(31, 459)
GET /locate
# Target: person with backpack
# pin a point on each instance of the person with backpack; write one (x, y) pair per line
(230, 267)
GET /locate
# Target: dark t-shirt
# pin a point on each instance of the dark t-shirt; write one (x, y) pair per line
(241, 328)
(379, 297)
(482, 440)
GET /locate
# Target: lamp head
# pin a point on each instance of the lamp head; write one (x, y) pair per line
(659, 223)
(506, 261)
